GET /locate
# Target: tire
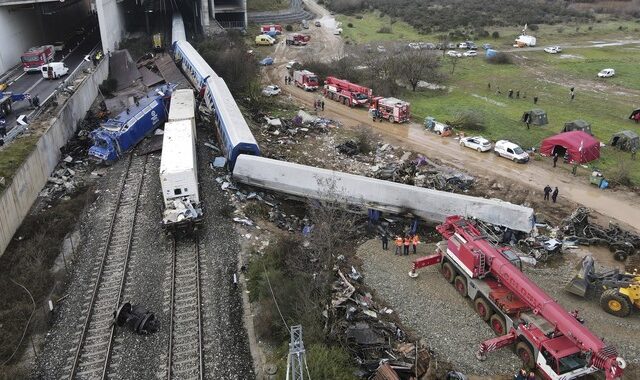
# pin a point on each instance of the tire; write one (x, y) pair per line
(496, 153)
(620, 255)
(479, 150)
(514, 159)
(391, 120)
(525, 353)
(460, 284)
(484, 310)
(498, 325)
(448, 272)
(438, 133)
(462, 144)
(615, 303)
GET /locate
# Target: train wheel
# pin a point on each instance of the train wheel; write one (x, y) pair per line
(483, 309)
(620, 255)
(525, 353)
(498, 325)
(448, 272)
(461, 285)
(615, 303)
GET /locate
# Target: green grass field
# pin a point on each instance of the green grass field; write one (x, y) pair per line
(267, 5)
(535, 73)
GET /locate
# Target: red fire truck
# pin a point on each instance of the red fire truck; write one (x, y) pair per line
(392, 109)
(271, 28)
(297, 39)
(545, 335)
(35, 57)
(345, 92)
(305, 79)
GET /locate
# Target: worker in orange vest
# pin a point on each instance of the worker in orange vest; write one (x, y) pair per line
(415, 241)
(407, 243)
(398, 245)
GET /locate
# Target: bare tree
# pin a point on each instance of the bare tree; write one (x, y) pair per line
(417, 65)
(454, 62)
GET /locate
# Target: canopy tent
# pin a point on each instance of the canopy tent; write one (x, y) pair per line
(625, 140)
(577, 125)
(535, 116)
(580, 146)
(635, 115)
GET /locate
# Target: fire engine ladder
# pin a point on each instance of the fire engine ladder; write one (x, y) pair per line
(482, 262)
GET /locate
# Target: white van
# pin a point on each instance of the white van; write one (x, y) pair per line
(511, 151)
(54, 70)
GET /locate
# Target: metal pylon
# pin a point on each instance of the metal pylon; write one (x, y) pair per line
(296, 361)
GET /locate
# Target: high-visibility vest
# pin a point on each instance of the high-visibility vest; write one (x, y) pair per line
(399, 241)
(416, 240)
(407, 241)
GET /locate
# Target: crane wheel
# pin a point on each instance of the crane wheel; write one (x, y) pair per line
(498, 325)
(484, 310)
(461, 285)
(525, 353)
(615, 303)
(448, 272)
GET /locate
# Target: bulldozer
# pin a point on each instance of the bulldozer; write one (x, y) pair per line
(620, 291)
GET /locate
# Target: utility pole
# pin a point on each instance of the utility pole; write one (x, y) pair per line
(296, 358)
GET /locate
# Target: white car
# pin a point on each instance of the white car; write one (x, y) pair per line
(478, 143)
(606, 73)
(290, 64)
(414, 45)
(453, 53)
(381, 48)
(511, 151)
(551, 50)
(271, 90)
(470, 53)
(337, 31)
(558, 48)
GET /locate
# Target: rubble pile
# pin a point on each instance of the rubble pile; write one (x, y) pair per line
(381, 348)
(622, 243)
(279, 131)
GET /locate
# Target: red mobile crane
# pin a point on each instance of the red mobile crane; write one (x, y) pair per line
(519, 312)
(349, 94)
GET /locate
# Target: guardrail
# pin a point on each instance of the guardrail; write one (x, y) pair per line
(231, 24)
(62, 87)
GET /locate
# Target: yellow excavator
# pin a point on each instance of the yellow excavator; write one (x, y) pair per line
(621, 291)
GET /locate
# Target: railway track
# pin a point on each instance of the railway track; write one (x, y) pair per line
(93, 352)
(185, 354)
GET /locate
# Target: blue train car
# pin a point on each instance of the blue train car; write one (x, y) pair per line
(192, 64)
(233, 131)
(118, 135)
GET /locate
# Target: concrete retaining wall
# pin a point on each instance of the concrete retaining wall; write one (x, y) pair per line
(19, 30)
(17, 199)
(111, 21)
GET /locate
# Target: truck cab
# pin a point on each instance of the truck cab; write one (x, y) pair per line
(265, 40)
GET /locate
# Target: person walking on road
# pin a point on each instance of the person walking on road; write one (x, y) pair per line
(555, 159)
(385, 242)
(322, 104)
(547, 191)
(634, 150)
(574, 169)
(554, 195)
(415, 241)
(407, 243)
(535, 100)
(398, 245)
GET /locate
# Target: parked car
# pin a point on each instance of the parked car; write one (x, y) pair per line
(271, 90)
(290, 64)
(54, 70)
(427, 45)
(487, 46)
(337, 31)
(317, 23)
(453, 53)
(266, 61)
(413, 45)
(470, 53)
(606, 73)
(558, 48)
(551, 50)
(462, 45)
(511, 151)
(478, 143)
(381, 49)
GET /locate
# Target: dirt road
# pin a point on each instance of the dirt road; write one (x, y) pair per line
(619, 205)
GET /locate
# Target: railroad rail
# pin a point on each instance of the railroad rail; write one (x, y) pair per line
(93, 352)
(185, 354)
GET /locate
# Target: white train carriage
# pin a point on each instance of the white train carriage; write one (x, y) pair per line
(192, 64)
(177, 29)
(233, 130)
(183, 107)
(179, 175)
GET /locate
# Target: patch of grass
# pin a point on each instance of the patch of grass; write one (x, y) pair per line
(12, 156)
(469, 90)
(371, 26)
(267, 5)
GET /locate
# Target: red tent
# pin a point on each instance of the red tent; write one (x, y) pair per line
(581, 146)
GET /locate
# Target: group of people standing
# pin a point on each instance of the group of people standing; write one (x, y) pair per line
(403, 245)
(547, 192)
(318, 105)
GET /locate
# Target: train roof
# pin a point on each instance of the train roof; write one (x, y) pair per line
(144, 106)
(177, 29)
(235, 124)
(183, 105)
(177, 147)
(199, 64)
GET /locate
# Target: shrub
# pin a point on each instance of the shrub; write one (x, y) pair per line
(621, 174)
(384, 29)
(288, 28)
(470, 120)
(365, 139)
(358, 17)
(495, 35)
(329, 362)
(350, 25)
(500, 59)
(533, 27)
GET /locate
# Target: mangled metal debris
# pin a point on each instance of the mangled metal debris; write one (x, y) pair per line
(137, 318)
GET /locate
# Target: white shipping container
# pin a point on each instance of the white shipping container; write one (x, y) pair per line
(178, 165)
(183, 107)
